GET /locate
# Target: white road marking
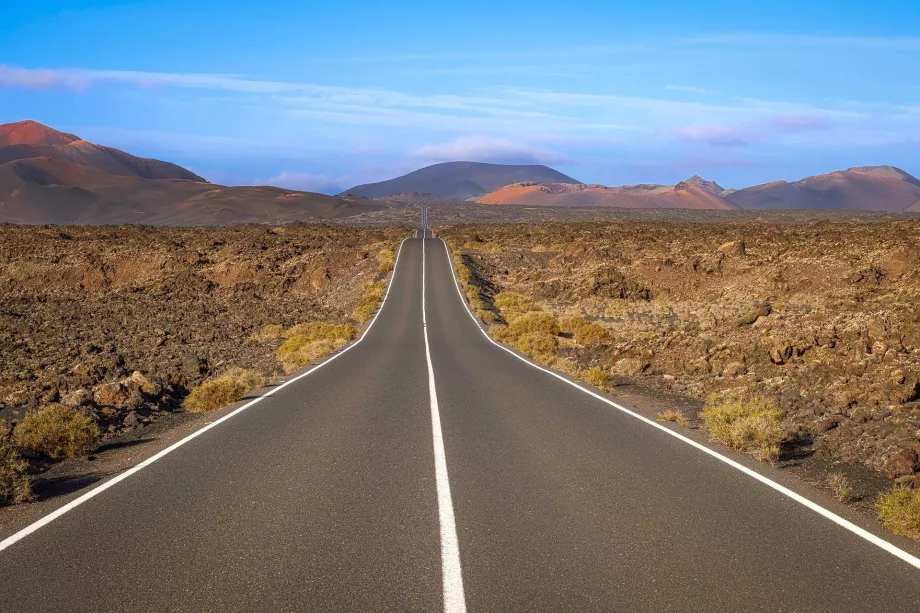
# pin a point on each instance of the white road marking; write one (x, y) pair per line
(47, 519)
(452, 578)
(785, 491)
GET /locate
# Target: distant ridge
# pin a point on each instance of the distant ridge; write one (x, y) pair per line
(459, 180)
(861, 188)
(684, 195)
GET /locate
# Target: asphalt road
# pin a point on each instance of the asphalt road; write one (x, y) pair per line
(324, 497)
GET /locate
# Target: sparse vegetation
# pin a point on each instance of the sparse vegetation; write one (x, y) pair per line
(673, 415)
(14, 476)
(597, 378)
(753, 425)
(513, 304)
(308, 342)
(223, 390)
(487, 316)
(269, 332)
(386, 260)
(899, 510)
(840, 486)
(57, 431)
(370, 300)
(585, 332)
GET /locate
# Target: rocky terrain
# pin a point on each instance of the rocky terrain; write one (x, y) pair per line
(820, 318)
(684, 195)
(121, 322)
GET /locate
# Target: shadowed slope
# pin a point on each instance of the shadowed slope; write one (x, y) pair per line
(459, 180)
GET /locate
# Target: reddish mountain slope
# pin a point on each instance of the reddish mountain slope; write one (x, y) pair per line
(43, 190)
(864, 188)
(30, 139)
(681, 196)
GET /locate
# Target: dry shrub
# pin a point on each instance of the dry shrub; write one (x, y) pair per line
(269, 332)
(899, 510)
(14, 476)
(597, 377)
(58, 432)
(471, 292)
(840, 485)
(386, 260)
(533, 334)
(585, 332)
(753, 425)
(464, 274)
(368, 303)
(220, 391)
(535, 322)
(318, 331)
(298, 351)
(539, 347)
(512, 304)
(487, 316)
(674, 415)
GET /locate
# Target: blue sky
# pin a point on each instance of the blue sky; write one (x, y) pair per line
(323, 95)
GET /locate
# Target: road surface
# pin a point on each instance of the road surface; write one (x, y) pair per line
(331, 495)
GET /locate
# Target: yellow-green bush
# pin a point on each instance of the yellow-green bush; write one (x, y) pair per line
(535, 322)
(386, 260)
(220, 391)
(471, 291)
(14, 476)
(597, 377)
(463, 274)
(538, 346)
(585, 332)
(298, 351)
(368, 303)
(512, 305)
(899, 510)
(487, 316)
(57, 431)
(753, 425)
(269, 332)
(317, 331)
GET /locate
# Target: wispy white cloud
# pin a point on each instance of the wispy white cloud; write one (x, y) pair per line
(305, 181)
(487, 149)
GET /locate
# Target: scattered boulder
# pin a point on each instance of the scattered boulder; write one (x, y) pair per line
(733, 248)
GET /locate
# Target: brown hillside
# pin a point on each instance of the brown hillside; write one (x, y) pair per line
(865, 188)
(681, 196)
(43, 190)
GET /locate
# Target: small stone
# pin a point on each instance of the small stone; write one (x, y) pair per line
(132, 420)
(900, 463)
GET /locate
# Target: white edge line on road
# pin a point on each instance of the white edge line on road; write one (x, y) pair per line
(451, 576)
(47, 519)
(858, 531)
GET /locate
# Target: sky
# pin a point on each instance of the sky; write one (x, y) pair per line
(322, 96)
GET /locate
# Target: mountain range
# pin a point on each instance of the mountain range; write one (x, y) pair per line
(47, 176)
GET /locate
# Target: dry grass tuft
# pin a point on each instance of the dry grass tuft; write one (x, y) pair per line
(220, 391)
(386, 260)
(899, 510)
(58, 432)
(753, 425)
(319, 331)
(673, 415)
(597, 378)
(269, 332)
(512, 305)
(585, 332)
(840, 486)
(367, 305)
(487, 316)
(14, 476)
